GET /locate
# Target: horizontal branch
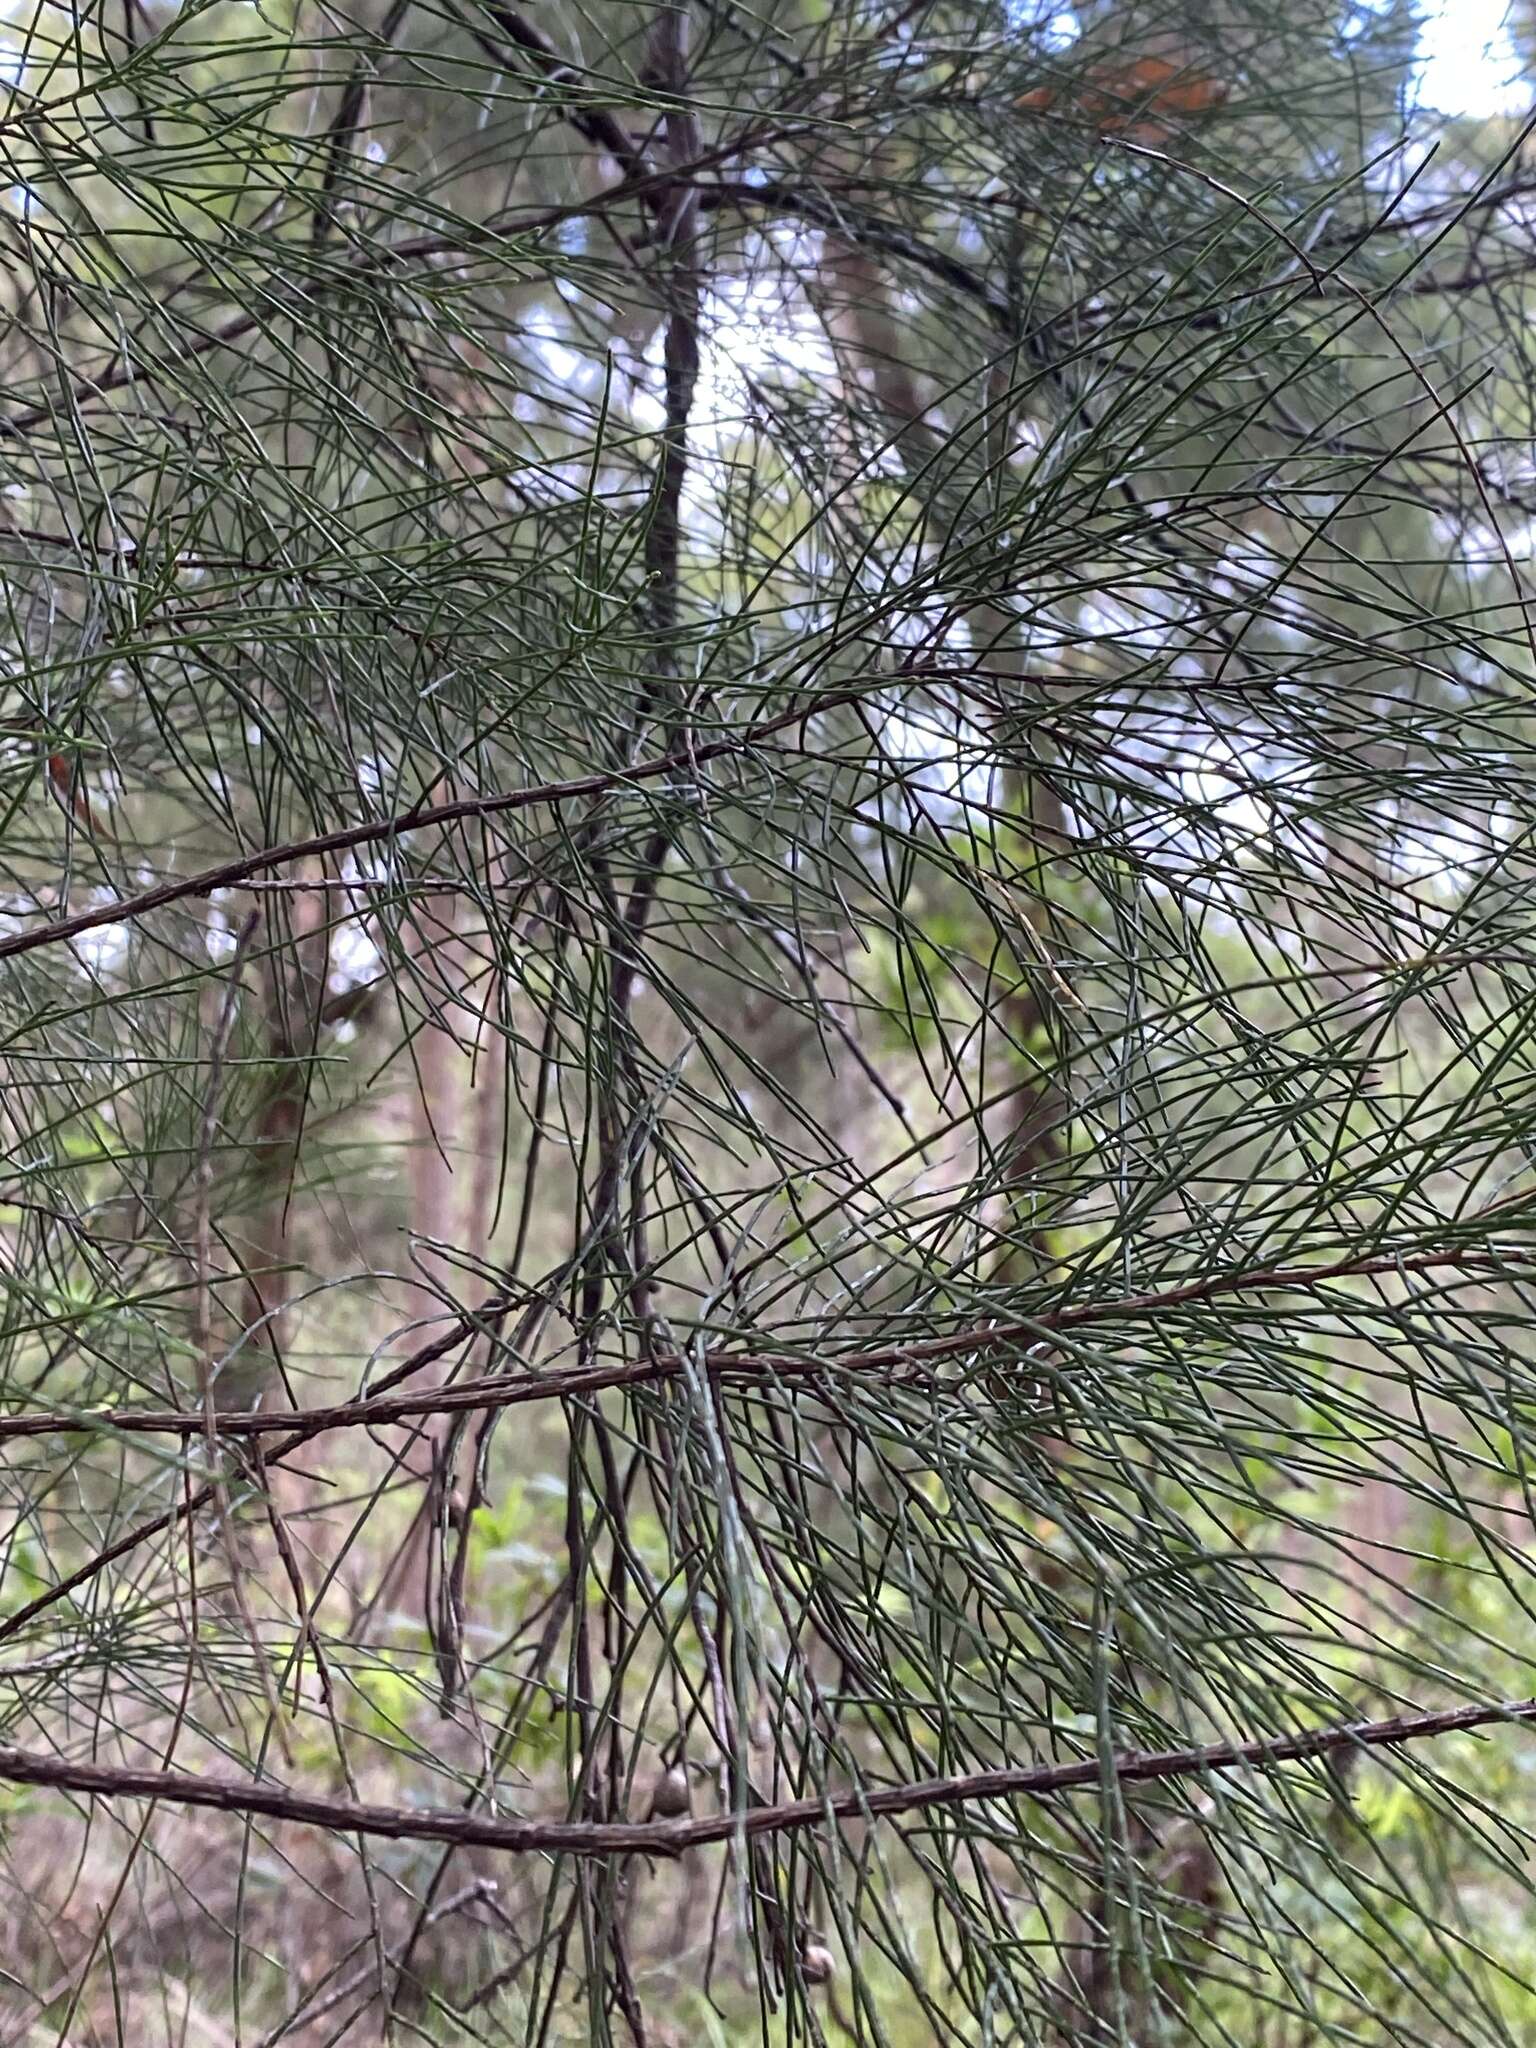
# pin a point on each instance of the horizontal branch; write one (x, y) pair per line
(194, 1500)
(550, 1386)
(508, 1391)
(789, 197)
(229, 874)
(674, 1838)
(298, 301)
(855, 224)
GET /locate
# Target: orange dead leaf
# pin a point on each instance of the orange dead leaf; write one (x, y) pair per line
(70, 790)
(1139, 98)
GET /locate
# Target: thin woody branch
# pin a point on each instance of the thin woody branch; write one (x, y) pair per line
(229, 874)
(505, 1391)
(598, 125)
(676, 1838)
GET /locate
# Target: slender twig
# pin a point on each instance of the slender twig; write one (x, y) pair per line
(595, 124)
(675, 1838)
(197, 1499)
(305, 2014)
(503, 1391)
(229, 874)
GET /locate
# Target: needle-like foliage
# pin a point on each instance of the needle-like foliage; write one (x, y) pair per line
(766, 831)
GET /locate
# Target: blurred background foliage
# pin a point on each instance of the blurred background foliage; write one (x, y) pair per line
(824, 710)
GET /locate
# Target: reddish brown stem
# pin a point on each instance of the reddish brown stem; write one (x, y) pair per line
(675, 1838)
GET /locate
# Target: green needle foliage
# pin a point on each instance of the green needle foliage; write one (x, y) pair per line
(778, 758)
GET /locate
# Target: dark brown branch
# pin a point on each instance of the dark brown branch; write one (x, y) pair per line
(507, 1391)
(546, 1387)
(647, 184)
(230, 873)
(194, 1501)
(644, 184)
(597, 125)
(674, 1838)
(344, 127)
(854, 224)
